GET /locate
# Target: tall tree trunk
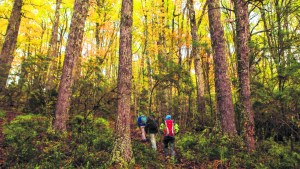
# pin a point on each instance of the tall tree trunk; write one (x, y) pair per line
(197, 63)
(162, 56)
(97, 33)
(145, 61)
(9, 45)
(162, 94)
(44, 28)
(206, 72)
(73, 50)
(52, 51)
(223, 89)
(122, 152)
(242, 28)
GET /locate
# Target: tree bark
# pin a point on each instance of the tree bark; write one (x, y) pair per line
(52, 51)
(122, 152)
(73, 50)
(242, 29)
(9, 45)
(162, 58)
(197, 63)
(223, 88)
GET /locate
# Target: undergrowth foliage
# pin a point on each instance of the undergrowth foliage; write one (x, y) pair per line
(30, 142)
(207, 146)
(275, 155)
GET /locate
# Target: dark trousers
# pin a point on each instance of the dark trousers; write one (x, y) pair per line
(169, 141)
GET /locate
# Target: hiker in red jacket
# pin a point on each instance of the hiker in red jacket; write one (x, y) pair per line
(169, 128)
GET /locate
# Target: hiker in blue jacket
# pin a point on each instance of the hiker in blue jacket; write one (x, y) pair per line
(142, 123)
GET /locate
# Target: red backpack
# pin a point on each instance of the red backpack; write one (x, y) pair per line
(169, 128)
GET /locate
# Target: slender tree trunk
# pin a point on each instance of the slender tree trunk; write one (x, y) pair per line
(44, 28)
(73, 50)
(163, 96)
(97, 33)
(63, 30)
(52, 51)
(206, 71)
(9, 45)
(147, 60)
(242, 28)
(197, 62)
(223, 89)
(122, 152)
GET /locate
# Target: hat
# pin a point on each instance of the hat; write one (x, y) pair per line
(168, 117)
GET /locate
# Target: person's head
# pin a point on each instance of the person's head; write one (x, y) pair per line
(152, 115)
(168, 117)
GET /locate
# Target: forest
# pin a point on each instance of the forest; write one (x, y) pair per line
(75, 76)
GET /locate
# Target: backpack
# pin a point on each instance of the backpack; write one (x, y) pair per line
(169, 128)
(153, 126)
(144, 119)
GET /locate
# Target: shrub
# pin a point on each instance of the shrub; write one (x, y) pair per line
(92, 141)
(207, 146)
(231, 151)
(275, 155)
(30, 142)
(22, 137)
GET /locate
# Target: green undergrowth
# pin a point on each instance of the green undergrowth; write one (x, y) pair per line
(205, 147)
(30, 142)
